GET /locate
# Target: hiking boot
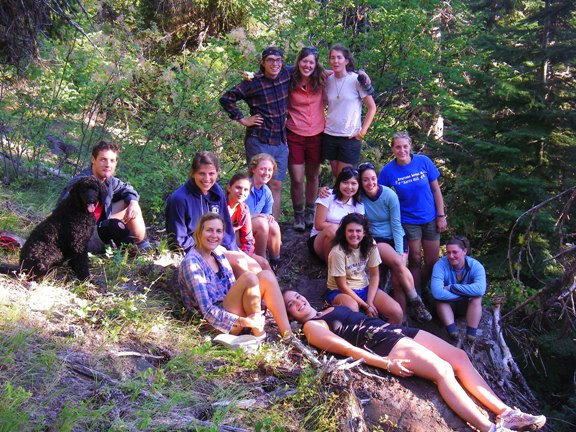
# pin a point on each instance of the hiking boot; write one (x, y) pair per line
(299, 224)
(454, 335)
(471, 338)
(309, 217)
(517, 420)
(419, 311)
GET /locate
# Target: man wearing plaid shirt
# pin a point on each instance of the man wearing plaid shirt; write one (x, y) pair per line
(267, 96)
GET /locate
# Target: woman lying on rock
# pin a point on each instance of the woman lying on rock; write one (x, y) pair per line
(406, 351)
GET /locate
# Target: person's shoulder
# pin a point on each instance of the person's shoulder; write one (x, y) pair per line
(388, 167)
(181, 191)
(327, 199)
(192, 256)
(337, 250)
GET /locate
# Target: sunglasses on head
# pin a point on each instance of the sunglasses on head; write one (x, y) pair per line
(366, 165)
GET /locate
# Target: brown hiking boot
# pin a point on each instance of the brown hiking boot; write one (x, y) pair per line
(309, 217)
(299, 221)
(419, 311)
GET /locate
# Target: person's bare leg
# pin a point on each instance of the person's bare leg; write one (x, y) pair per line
(244, 299)
(262, 262)
(346, 300)
(388, 307)
(136, 226)
(276, 188)
(399, 270)
(261, 232)
(274, 240)
(468, 376)
(431, 249)
(334, 168)
(312, 183)
(445, 313)
(474, 312)
(323, 242)
(414, 262)
(241, 263)
(425, 363)
(399, 295)
(272, 295)
(297, 185)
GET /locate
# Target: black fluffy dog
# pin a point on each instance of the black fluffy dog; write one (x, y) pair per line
(63, 236)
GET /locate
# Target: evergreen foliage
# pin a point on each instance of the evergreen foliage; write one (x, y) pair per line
(486, 88)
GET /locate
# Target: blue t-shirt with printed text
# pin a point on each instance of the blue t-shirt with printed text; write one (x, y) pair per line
(412, 185)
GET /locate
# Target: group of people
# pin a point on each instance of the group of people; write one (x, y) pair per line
(231, 239)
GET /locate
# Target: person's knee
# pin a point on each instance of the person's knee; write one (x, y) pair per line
(459, 360)
(475, 302)
(396, 264)
(250, 279)
(443, 369)
(346, 300)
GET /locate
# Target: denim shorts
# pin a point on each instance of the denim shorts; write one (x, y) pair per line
(331, 294)
(427, 231)
(254, 146)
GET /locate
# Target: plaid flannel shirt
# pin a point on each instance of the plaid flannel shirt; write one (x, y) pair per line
(267, 97)
(200, 288)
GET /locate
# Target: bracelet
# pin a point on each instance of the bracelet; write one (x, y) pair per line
(361, 135)
(388, 366)
(443, 216)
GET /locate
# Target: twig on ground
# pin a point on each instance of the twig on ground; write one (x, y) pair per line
(136, 354)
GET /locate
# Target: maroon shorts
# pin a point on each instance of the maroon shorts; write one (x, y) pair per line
(304, 149)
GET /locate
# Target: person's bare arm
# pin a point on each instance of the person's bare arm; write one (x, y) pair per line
(374, 274)
(441, 222)
(319, 335)
(370, 113)
(320, 217)
(342, 285)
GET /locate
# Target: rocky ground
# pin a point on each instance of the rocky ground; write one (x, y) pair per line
(370, 400)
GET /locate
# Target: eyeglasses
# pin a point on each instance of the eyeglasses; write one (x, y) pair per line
(365, 166)
(274, 60)
(311, 50)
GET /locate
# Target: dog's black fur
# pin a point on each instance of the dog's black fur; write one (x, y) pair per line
(63, 236)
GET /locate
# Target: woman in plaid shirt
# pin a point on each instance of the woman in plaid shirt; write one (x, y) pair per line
(208, 283)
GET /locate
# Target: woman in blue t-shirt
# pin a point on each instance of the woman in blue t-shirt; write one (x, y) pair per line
(415, 180)
(260, 201)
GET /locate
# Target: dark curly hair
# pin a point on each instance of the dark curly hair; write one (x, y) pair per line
(367, 242)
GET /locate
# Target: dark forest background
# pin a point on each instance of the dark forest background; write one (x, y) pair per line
(486, 88)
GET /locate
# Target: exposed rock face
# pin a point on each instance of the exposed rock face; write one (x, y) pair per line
(406, 404)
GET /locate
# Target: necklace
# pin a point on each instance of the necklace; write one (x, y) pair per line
(338, 90)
